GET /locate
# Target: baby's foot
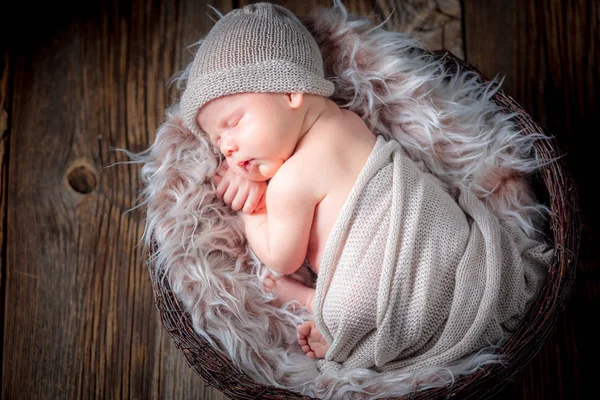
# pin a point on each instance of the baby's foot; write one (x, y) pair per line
(311, 340)
(288, 289)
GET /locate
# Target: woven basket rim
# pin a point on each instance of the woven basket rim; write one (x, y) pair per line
(217, 370)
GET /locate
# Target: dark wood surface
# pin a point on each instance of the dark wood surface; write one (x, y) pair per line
(78, 318)
(548, 52)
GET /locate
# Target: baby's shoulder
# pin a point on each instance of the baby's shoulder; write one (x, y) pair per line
(308, 169)
(329, 155)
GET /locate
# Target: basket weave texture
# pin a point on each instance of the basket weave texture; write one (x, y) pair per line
(565, 227)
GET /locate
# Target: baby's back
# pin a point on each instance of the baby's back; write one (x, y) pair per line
(336, 152)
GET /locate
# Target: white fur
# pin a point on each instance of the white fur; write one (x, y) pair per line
(443, 120)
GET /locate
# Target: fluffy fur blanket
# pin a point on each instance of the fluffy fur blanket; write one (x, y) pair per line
(413, 278)
(443, 119)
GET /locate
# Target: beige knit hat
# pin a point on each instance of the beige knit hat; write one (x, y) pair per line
(261, 47)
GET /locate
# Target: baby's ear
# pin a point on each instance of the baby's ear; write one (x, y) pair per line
(295, 99)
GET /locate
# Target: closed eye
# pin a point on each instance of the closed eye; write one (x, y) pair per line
(233, 123)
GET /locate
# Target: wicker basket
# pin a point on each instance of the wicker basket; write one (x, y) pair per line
(559, 193)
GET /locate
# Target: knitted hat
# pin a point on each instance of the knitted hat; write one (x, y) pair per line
(261, 47)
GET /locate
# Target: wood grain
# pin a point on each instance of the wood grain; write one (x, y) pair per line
(4, 141)
(78, 314)
(547, 50)
(80, 319)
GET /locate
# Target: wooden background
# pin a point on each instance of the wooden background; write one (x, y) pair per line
(77, 80)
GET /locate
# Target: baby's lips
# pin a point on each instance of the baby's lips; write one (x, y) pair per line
(245, 165)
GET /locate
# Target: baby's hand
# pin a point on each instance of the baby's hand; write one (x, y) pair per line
(238, 192)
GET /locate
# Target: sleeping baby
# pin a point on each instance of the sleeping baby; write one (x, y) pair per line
(409, 275)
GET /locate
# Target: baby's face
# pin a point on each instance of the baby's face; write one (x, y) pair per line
(257, 132)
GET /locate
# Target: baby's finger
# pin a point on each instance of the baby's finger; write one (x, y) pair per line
(262, 203)
(240, 199)
(251, 202)
(216, 179)
(222, 169)
(229, 194)
(222, 187)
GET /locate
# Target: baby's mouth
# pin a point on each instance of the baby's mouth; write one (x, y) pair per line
(245, 165)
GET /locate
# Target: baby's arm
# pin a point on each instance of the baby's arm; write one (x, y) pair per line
(279, 234)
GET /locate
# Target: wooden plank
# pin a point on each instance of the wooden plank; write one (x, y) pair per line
(547, 51)
(80, 319)
(4, 140)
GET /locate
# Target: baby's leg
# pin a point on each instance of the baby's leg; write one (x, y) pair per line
(288, 289)
(311, 340)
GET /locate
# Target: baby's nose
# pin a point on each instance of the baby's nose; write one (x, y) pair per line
(228, 147)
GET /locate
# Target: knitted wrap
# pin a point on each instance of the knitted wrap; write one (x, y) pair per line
(261, 47)
(411, 278)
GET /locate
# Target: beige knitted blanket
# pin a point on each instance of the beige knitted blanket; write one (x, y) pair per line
(413, 277)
